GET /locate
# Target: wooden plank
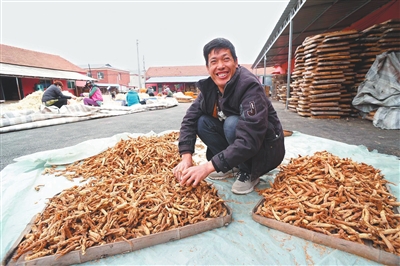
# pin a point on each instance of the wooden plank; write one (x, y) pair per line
(340, 38)
(334, 57)
(327, 113)
(325, 117)
(345, 95)
(332, 44)
(331, 99)
(368, 54)
(389, 40)
(328, 81)
(323, 95)
(310, 63)
(310, 51)
(322, 73)
(306, 114)
(312, 39)
(326, 86)
(302, 109)
(329, 77)
(312, 92)
(394, 44)
(325, 50)
(340, 33)
(330, 63)
(310, 45)
(342, 53)
(325, 109)
(330, 68)
(324, 104)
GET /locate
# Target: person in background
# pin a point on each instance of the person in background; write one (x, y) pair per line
(132, 97)
(113, 95)
(235, 119)
(95, 96)
(53, 95)
(150, 91)
(167, 92)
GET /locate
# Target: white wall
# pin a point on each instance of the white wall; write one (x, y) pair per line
(134, 80)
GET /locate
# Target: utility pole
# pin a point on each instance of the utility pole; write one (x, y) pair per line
(138, 63)
(144, 73)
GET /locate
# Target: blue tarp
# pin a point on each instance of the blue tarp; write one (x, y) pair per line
(243, 241)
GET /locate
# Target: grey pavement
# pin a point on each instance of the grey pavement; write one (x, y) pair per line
(350, 130)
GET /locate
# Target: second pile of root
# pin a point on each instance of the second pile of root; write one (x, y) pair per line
(337, 197)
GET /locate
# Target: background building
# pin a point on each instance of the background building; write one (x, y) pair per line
(109, 78)
(184, 78)
(24, 71)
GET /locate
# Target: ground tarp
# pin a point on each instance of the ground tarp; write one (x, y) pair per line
(381, 91)
(47, 116)
(243, 241)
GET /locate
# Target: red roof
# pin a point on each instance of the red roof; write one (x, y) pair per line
(176, 71)
(180, 71)
(23, 57)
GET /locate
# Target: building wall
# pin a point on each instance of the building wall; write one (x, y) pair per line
(134, 81)
(113, 76)
(29, 85)
(14, 89)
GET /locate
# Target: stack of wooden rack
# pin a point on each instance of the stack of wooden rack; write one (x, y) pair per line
(330, 66)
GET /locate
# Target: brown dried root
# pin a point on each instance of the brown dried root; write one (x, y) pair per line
(131, 192)
(337, 197)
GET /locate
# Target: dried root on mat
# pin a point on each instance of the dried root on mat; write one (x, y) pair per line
(337, 197)
(131, 192)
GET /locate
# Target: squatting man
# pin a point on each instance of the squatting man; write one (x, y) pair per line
(235, 119)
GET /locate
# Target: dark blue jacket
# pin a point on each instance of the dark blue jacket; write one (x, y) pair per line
(259, 133)
(52, 93)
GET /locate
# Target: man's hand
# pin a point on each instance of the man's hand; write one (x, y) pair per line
(182, 166)
(193, 175)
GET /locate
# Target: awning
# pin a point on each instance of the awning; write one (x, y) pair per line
(312, 17)
(35, 72)
(80, 83)
(182, 79)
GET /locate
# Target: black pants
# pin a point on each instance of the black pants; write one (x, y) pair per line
(60, 102)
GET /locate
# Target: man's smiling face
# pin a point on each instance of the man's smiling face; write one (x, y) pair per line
(221, 66)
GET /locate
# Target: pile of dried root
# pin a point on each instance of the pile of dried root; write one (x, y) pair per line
(337, 197)
(130, 193)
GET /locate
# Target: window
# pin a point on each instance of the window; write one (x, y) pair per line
(119, 77)
(42, 85)
(100, 75)
(71, 84)
(45, 82)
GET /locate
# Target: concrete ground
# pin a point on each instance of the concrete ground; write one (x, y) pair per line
(348, 130)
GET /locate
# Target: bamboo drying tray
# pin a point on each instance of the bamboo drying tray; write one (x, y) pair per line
(121, 247)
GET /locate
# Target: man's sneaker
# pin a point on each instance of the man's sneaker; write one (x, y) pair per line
(219, 175)
(243, 183)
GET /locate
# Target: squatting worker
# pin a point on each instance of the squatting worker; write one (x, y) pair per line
(95, 96)
(53, 95)
(233, 116)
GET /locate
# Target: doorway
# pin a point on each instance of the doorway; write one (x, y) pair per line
(9, 90)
